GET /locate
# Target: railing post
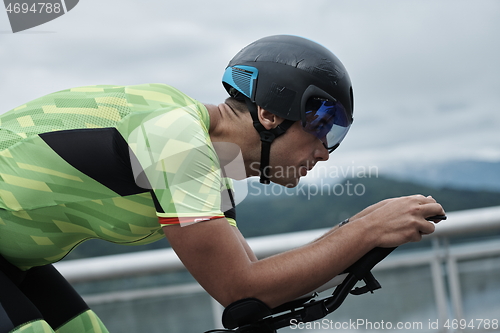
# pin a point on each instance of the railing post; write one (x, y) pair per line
(438, 283)
(454, 283)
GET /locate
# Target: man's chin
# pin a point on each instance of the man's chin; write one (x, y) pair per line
(289, 183)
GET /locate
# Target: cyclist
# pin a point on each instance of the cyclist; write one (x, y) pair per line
(132, 164)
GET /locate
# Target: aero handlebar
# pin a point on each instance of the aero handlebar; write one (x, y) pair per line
(251, 315)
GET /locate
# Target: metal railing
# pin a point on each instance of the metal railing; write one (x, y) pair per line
(441, 257)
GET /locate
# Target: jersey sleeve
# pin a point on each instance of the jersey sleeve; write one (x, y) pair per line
(173, 156)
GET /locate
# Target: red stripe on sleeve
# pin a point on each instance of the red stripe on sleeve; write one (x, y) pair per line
(180, 220)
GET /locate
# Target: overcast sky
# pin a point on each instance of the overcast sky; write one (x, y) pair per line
(426, 74)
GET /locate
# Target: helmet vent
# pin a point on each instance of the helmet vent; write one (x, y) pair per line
(242, 79)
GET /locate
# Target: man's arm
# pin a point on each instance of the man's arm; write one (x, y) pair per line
(218, 257)
(364, 212)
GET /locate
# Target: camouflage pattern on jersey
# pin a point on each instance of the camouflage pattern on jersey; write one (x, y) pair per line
(87, 322)
(47, 207)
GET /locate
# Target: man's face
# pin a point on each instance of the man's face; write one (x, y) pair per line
(293, 154)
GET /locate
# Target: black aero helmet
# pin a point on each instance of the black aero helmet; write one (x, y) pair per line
(296, 79)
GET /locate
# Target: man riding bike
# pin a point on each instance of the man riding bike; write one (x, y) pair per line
(132, 164)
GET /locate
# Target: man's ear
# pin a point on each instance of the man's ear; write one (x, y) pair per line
(268, 119)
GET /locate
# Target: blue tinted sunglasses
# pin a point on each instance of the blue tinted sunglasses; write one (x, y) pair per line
(328, 121)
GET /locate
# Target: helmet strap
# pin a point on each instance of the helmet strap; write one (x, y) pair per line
(267, 136)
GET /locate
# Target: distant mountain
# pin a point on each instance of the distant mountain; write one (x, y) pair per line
(312, 207)
(476, 175)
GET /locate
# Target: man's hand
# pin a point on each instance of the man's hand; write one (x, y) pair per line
(400, 220)
(370, 209)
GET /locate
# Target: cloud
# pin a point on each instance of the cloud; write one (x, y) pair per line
(425, 74)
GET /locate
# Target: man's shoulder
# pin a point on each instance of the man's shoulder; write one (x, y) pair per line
(160, 93)
(139, 94)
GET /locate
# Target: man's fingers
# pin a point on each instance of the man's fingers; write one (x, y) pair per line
(421, 199)
(430, 198)
(433, 211)
(427, 228)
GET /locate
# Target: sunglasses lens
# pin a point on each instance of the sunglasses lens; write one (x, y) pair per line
(328, 121)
